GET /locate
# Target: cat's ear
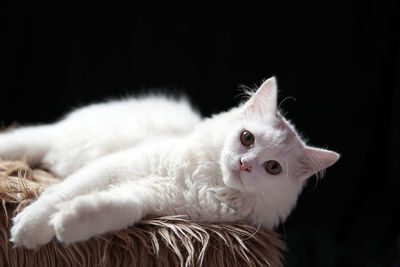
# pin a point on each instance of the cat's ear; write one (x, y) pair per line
(317, 160)
(264, 100)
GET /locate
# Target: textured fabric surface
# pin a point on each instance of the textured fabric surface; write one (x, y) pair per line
(154, 241)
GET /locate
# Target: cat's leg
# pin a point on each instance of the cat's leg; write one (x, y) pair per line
(99, 212)
(31, 143)
(31, 227)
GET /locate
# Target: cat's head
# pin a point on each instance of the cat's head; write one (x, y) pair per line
(264, 154)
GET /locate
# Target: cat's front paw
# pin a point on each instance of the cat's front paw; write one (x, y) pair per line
(77, 220)
(31, 227)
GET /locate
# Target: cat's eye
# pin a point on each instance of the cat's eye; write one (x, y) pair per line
(272, 167)
(247, 138)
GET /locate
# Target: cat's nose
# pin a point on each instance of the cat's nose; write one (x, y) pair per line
(244, 166)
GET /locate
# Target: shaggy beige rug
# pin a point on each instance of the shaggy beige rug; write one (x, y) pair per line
(154, 241)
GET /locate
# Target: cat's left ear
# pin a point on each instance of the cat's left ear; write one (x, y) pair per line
(317, 159)
(264, 100)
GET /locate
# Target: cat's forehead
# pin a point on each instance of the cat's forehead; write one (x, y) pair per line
(275, 131)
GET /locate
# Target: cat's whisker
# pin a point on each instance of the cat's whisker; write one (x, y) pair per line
(290, 147)
(246, 91)
(287, 168)
(316, 182)
(253, 234)
(285, 99)
(284, 230)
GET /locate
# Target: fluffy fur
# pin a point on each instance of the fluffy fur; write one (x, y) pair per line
(166, 241)
(130, 158)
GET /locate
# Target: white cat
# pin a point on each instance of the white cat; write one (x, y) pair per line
(154, 155)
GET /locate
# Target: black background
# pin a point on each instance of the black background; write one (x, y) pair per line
(339, 60)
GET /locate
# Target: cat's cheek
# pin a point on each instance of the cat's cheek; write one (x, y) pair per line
(231, 170)
(230, 162)
(232, 178)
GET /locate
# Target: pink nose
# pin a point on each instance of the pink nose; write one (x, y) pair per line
(244, 166)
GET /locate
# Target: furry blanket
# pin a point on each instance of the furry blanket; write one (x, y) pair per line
(154, 241)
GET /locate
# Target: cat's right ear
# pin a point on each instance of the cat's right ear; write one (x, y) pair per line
(317, 159)
(264, 100)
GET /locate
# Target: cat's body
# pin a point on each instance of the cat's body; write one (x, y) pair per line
(130, 158)
(99, 129)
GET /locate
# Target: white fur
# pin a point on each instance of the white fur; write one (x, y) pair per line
(126, 159)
